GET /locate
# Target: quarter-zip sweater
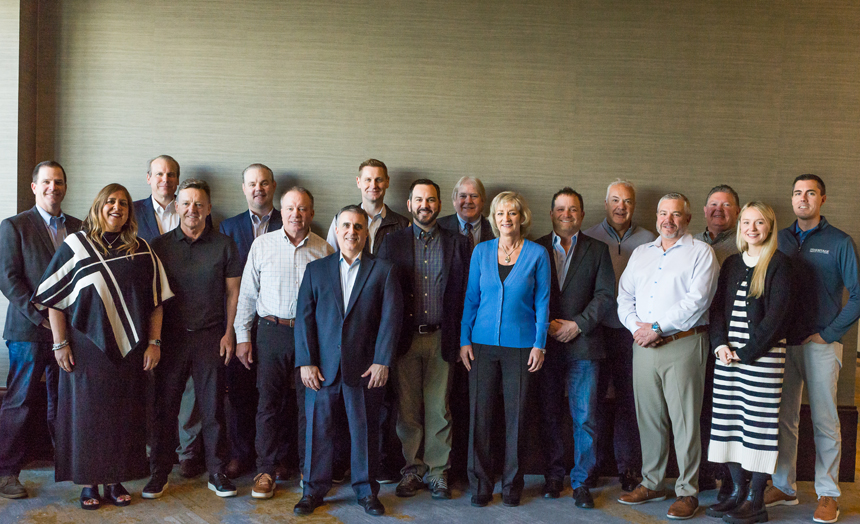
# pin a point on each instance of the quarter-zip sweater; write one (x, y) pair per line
(822, 265)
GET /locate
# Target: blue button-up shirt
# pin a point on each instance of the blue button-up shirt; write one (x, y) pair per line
(56, 226)
(476, 229)
(562, 257)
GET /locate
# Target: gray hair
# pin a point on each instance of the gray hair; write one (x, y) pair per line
(677, 196)
(469, 180)
(620, 182)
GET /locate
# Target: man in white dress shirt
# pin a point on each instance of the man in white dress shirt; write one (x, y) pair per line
(663, 300)
(270, 285)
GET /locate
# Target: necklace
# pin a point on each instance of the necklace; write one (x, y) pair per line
(110, 244)
(509, 253)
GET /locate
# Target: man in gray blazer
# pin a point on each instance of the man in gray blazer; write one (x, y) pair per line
(582, 296)
(28, 241)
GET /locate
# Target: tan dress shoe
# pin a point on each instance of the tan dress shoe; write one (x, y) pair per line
(683, 508)
(827, 511)
(264, 486)
(641, 495)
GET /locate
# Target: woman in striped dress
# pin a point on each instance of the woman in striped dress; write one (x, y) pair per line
(747, 333)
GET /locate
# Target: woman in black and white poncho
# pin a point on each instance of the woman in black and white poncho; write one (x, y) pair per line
(747, 330)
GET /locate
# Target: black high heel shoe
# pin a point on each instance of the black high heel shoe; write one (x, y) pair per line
(114, 491)
(88, 494)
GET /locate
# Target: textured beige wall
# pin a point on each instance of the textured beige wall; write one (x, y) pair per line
(675, 95)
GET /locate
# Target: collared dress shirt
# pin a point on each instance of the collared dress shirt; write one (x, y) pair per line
(673, 288)
(272, 276)
(562, 257)
(348, 272)
(56, 226)
(428, 275)
(724, 244)
(167, 217)
(476, 229)
(260, 223)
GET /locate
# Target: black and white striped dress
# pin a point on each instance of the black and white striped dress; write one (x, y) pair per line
(746, 398)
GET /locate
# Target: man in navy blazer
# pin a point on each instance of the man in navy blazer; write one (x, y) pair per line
(258, 186)
(348, 320)
(582, 295)
(28, 241)
(469, 198)
(155, 216)
(433, 267)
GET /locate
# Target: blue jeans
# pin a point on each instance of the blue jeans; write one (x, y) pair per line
(580, 377)
(27, 362)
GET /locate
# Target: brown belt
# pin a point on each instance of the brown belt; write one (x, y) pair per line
(683, 334)
(282, 321)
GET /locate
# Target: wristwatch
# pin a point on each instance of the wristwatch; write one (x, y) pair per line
(656, 328)
(155, 342)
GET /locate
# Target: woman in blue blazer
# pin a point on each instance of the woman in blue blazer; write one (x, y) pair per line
(503, 336)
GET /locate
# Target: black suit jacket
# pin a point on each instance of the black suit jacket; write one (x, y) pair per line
(399, 248)
(25, 252)
(451, 223)
(586, 297)
(241, 230)
(348, 340)
(147, 224)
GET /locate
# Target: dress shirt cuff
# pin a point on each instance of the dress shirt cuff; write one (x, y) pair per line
(242, 336)
(630, 323)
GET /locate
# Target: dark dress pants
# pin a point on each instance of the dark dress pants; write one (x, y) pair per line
(497, 367)
(361, 406)
(27, 362)
(617, 369)
(242, 412)
(278, 385)
(196, 353)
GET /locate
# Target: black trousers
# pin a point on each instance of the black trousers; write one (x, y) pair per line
(497, 367)
(242, 409)
(196, 353)
(278, 385)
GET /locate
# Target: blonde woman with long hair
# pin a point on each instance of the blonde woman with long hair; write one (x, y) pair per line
(103, 291)
(748, 327)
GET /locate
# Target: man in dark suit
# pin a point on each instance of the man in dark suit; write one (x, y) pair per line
(27, 244)
(348, 319)
(469, 198)
(155, 216)
(583, 294)
(258, 186)
(433, 266)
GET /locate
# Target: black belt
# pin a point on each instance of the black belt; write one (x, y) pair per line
(426, 329)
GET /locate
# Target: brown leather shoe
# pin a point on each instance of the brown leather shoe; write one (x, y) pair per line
(683, 508)
(773, 496)
(264, 486)
(235, 469)
(641, 495)
(827, 511)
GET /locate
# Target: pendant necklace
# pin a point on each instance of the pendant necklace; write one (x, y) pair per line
(110, 244)
(508, 253)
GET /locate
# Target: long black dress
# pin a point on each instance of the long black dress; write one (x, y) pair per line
(108, 300)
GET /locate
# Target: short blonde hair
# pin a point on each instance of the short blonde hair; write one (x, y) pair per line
(511, 197)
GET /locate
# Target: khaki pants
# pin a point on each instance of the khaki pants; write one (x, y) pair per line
(668, 382)
(423, 381)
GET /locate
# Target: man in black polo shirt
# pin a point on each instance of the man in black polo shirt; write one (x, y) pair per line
(203, 267)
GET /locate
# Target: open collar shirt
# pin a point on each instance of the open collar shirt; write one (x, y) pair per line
(348, 272)
(562, 257)
(272, 276)
(261, 223)
(167, 217)
(56, 226)
(673, 288)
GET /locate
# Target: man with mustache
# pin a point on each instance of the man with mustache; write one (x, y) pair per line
(582, 295)
(270, 285)
(824, 265)
(663, 300)
(155, 216)
(721, 216)
(622, 236)
(258, 186)
(204, 269)
(433, 266)
(348, 321)
(28, 241)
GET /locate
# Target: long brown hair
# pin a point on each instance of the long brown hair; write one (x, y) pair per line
(94, 224)
(767, 249)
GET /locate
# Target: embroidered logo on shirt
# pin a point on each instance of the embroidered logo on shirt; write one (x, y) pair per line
(822, 251)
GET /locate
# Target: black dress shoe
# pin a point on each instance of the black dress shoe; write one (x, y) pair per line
(307, 505)
(371, 505)
(479, 501)
(628, 481)
(510, 500)
(582, 498)
(552, 488)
